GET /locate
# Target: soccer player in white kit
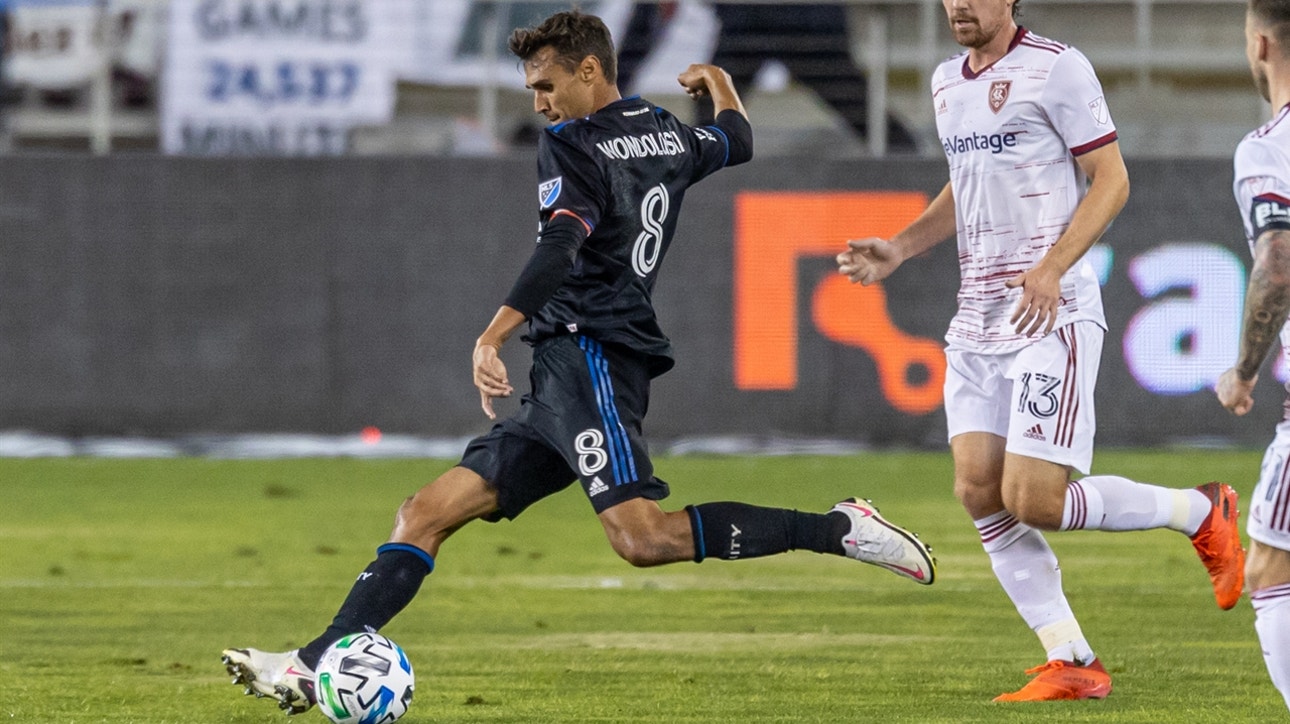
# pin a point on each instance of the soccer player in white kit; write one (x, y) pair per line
(1262, 188)
(1036, 177)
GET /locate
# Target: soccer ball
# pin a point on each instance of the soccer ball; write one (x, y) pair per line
(364, 678)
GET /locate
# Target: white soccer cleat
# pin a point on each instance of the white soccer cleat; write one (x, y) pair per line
(279, 676)
(873, 539)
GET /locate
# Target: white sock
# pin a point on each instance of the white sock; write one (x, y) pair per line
(1110, 502)
(1027, 569)
(1272, 622)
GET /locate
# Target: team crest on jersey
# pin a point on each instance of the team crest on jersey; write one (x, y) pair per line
(999, 91)
(549, 191)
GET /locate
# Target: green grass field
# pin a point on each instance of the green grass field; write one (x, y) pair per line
(121, 580)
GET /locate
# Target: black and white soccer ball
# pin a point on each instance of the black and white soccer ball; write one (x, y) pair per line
(364, 678)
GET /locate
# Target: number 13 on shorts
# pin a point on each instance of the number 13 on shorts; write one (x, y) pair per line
(1053, 381)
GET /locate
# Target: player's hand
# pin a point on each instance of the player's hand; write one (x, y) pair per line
(1041, 295)
(1234, 393)
(490, 377)
(695, 79)
(867, 261)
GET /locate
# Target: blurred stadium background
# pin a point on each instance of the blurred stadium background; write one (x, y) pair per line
(292, 217)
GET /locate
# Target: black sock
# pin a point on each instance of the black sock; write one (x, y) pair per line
(384, 588)
(738, 530)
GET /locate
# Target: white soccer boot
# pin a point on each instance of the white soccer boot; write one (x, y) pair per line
(873, 539)
(280, 676)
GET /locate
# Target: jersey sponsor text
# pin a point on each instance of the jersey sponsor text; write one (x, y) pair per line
(994, 143)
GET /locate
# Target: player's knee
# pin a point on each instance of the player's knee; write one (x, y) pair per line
(406, 513)
(414, 517)
(979, 499)
(1036, 511)
(424, 521)
(640, 548)
(638, 551)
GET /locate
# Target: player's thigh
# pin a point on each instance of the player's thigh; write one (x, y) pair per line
(518, 465)
(1268, 522)
(976, 415)
(977, 393)
(590, 401)
(1051, 413)
(1266, 566)
(978, 472)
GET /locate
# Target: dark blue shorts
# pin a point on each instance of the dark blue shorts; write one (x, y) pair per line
(580, 421)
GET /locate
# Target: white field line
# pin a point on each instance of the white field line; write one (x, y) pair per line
(842, 584)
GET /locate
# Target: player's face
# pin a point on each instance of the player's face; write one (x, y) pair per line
(976, 22)
(1252, 48)
(558, 94)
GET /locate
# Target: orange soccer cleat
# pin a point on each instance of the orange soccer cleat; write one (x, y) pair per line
(1063, 681)
(1218, 543)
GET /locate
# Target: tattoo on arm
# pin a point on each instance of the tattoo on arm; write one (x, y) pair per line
(1267, 301)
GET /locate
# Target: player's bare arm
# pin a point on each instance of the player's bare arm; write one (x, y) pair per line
(701, 79)
(1267, 304)
(871, 260)
(1108, 191)
(489, 370)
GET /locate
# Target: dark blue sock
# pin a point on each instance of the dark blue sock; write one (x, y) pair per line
(737, 530)
(384, 588)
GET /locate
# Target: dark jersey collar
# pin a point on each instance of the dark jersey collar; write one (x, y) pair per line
(629, 100)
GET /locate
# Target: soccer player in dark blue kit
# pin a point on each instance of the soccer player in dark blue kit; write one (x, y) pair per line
(612, 175)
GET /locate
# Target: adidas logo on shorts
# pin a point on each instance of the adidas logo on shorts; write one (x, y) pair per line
(1035, 433)
(597, 487)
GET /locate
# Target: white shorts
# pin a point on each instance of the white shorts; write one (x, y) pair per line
(1040, 398)
(1269, 519)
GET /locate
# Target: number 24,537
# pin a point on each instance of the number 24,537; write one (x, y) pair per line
(283, 83)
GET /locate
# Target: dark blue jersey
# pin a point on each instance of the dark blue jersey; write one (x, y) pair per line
(622, 173)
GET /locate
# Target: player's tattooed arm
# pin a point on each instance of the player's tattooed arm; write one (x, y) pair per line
(1267, 300)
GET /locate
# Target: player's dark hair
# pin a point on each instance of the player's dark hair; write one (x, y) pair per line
(1276, 15)
(574, 36)
(1016, 8)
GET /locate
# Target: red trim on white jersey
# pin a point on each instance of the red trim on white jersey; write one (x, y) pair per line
(1035, 41)
(1064, 436)
(1281, 509)
(1095, 144)
(1016, 40)
(1266, 128)
(1273, 196)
